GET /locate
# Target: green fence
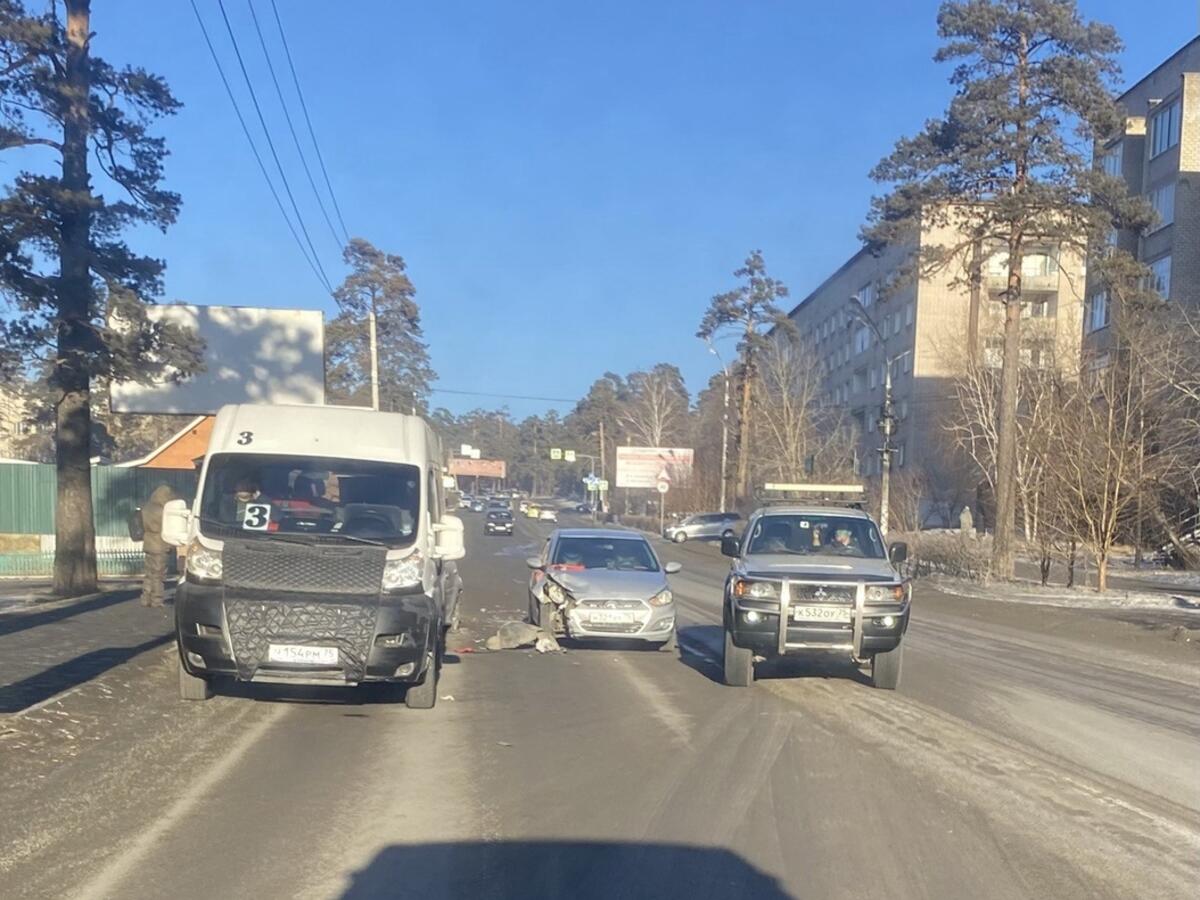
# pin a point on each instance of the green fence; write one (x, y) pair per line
(27, 496)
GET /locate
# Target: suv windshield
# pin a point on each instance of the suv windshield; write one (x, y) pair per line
(256, 494)
(631, 554)
(816, 534)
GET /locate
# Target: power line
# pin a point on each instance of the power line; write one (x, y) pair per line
(253, 148)
(307, 121)
(271, 145)
(503, 396)
(288, 118)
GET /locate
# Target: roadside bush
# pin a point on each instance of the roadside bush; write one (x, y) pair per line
(946, 553)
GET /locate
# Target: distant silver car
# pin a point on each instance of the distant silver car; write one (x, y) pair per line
(705, 525)
(602, 583)
(547, 514)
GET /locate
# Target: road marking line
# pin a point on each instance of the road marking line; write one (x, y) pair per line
(110, 877)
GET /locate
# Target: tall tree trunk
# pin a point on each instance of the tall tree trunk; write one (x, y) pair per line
(741, 478)
(74, 529)
(1102, 571)
(1006, 449)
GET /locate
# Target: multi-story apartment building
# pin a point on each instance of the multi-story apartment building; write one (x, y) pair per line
(932, 326)
(12, 421)
(1158, 156)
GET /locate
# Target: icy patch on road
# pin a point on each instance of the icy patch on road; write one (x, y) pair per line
(519, 551)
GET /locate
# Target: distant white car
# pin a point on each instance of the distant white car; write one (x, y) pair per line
(548, 515)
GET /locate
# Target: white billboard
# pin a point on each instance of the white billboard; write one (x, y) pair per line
(251, 354)
(645, 467)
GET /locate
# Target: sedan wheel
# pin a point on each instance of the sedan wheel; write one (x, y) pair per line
(680, 537)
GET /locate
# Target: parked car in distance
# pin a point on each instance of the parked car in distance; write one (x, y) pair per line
(583, 508)
(548, 514)
(602, 583)
(465, 501)
(523, 506)
(478, 506)
(499, 521)
(704, 525)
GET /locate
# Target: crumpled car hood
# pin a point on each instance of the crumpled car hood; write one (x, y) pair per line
(610, 584)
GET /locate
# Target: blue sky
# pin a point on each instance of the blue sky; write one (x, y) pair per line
(569, 183)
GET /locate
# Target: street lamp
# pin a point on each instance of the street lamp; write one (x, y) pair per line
(724, 422)
(887, 420)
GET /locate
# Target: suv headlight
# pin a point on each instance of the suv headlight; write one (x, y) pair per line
(401, 574)
(755, 590)
(203, 565)
(662, 598)
(880, 593)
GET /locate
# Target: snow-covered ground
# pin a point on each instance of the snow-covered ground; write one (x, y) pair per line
(1079, 597)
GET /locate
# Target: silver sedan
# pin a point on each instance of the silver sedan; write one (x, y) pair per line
(598, 583)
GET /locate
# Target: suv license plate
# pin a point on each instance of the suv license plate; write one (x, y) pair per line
(303, 654)
(820, 614)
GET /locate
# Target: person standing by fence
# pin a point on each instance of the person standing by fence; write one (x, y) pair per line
(155, 548)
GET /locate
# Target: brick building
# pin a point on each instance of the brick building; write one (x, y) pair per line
(1158, 155)
(931, 325)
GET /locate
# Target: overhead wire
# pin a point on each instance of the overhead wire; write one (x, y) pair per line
(271, 145)
(292, 128)
(254, 148)
(287, 52)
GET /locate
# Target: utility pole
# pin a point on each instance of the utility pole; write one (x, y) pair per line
(724, 424)
(374, 360)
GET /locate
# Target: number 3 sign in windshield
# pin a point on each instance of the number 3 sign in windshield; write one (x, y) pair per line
(256, 517)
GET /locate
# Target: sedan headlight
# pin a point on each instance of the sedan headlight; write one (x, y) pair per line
(203, 565)
(553, 592)
(662, 598)
(884, 593)
(755, 590)
(403, 574)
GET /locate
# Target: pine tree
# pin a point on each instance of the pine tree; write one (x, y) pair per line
(75, 291)
(1010, 164)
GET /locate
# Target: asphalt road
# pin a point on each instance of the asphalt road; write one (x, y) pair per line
(1016, 760)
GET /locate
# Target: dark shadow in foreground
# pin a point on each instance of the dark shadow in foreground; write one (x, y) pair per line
(702, 648)
(532, 870)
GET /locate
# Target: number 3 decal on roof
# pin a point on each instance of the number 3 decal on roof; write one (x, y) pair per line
(245, 437)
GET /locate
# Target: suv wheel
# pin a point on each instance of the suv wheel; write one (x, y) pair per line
(739, 664)
(885, 668)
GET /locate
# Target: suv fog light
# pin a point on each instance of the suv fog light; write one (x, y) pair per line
(753, 617)
(196, 660)
(887, 621)
(405, 670)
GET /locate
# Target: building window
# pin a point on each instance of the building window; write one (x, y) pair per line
(860, 381)
(1162, 198)
(1039, 264)
(906, 365)
(1160, 277)
(1164, 127)
(867, 295)
(908, 313)
(899, 455)
(902, 410)
(896, 323)
(872, 378)
(862, 339)
(871, 419)
(1113, 236)
(1110, 162)
(1096, 316)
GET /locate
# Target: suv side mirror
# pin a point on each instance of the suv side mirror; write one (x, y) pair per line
(176, 522)
(898, 551)
(729, 546)
(448, 541)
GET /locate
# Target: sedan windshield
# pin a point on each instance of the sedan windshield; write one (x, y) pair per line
(625, 554)
(816, 534)
(259, 493)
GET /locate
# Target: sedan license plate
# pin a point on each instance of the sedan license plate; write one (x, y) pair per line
(611, 616)
(302, 654)
(837, 614)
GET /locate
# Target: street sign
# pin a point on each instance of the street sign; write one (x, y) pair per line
(569, 455)
(556, 453)
(663, 486)
(602, 485)
(593, 486)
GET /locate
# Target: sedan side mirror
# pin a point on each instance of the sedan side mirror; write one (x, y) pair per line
(729, 546)
(672, 567)
(533, 562)
(898, 552)
(176, 522)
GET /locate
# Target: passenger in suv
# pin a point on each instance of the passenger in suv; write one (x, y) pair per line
(706, 525)
(811, 580)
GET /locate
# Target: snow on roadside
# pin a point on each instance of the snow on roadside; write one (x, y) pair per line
(1079, 598)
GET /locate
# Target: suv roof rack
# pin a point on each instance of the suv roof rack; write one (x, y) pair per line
(849, 495)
